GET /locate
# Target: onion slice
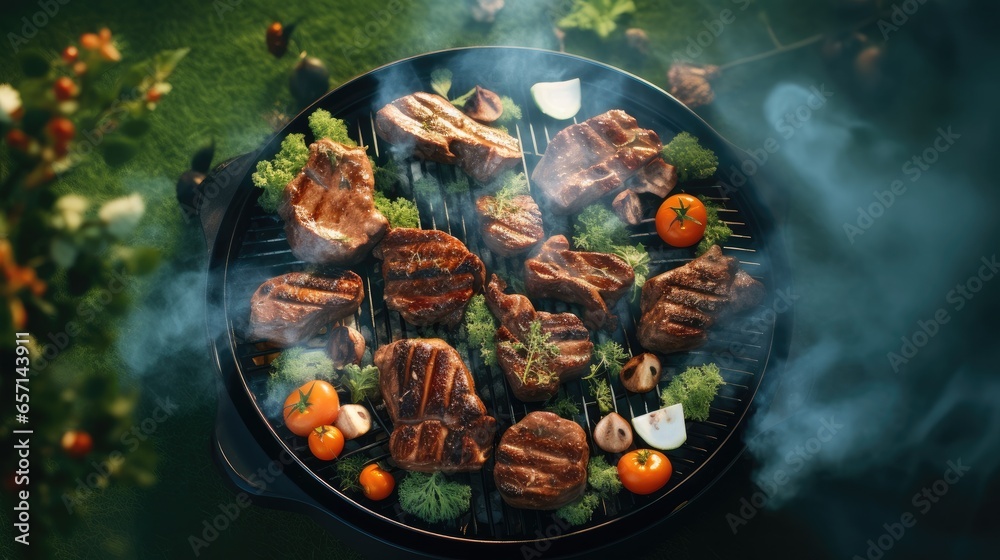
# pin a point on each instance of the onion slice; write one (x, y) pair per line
(559, 100)
(663, 429)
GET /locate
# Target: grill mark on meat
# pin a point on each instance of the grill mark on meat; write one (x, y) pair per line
(439, 421)
(593, 280)
(679, 305)
(429, 275)
(587, 161)
(329, 225)
(435, 130)
(290, 308)
(513, 231)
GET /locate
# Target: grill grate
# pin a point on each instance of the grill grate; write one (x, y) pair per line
(263, 252)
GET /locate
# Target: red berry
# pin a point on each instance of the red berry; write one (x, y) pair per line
(70, 54)
(17, 139)
(61, 129)
(77, 443)
(153, 95)
(65, 89)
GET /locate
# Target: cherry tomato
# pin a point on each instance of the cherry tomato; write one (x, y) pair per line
(65, 89)
(77, 443)
(90, 41)
(644, 471)
(326, 442)
(153, 95)
(17, 139)
(681, 220)
(61, 129)
(312, 405)
(70, 54)
(376, 483)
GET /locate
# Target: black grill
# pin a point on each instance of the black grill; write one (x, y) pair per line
(249, 247)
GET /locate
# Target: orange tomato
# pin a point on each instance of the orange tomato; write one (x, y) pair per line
(64, 88)
(70, 54)
(77, 443)
(681, 220)
(61, 129)
(376, 483)
(312, 405)
(644, 471)
(326, 442)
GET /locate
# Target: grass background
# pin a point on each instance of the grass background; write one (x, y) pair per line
(226, 89)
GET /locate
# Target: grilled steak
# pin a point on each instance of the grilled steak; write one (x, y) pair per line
(429, 275)
(328, 209)
(510, 228)
(656, 177)
(597, 157)
(565, 330)
(439, 423)
(593, 280)
(680, 305)
(292, 307)
(542, 462)
(432, 128)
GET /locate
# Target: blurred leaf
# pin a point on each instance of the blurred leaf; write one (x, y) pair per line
(166, 61)
(33, 64)
(142, 260)
(135, 127)
(118, 150)
(63, 252)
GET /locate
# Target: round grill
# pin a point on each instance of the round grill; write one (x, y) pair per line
(248, 246)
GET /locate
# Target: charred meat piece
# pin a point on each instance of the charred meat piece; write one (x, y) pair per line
(680, 305)
(292, 307)
(541, 462)
(628, 207)
(329, 209)
(657, 177)
(429, 275)
(597, 157)
(594, 280)
(510, 227)
(432, 128)
(439, 423)
(565, 330)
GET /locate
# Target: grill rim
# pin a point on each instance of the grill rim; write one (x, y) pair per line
(226, 213)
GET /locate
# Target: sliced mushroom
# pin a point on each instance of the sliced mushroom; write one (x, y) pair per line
(484, 106)
(628, 207)
(641, 373)
(613, 433)
(353, 421)
(347, 346)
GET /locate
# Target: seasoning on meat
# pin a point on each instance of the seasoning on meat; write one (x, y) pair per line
(293, 307)
(329, 207)
(429, 275)
(680, 305)
(433, 129)
(509, 227)
(541, 462)
(594, 280)
(439, 423)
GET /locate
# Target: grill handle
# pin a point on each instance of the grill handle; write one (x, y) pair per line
(216, 194)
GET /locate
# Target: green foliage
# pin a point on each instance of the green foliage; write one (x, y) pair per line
(511, 111)
(601, 391)
(298, 365)
(274, 175)
(386, 176)
(599, 16)
(441, 82)
(362, 382)
(689, 157)
(695, 389)
(324, 125)
(481, 328)
(602, 477)
(348, 471)
(460, 185)
(505, 188)
(715, 231)
(400, 212)
(564, 407)
(636, 257)
(580, 511)
(539, 351)
(599, 229)
(433, 498)
(610, 356)
(427, 188)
